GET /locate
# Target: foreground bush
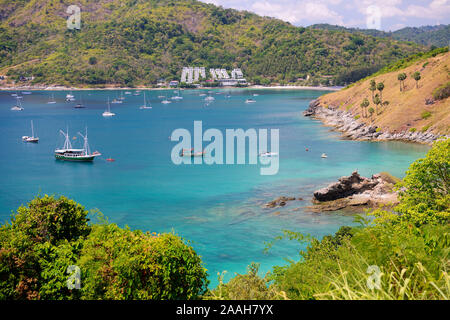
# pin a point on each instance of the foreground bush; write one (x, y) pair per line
(46, 237)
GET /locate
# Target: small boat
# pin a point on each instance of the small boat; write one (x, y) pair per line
(144, 106)
(250, 101)
(177, 97)
(79, 105)
(121, 96)
(324, 155)
(165, 101)
(127, 92)
(69, 95)
(67, 153)
(209, 98)
(32, 138)
(191, 153)
(255, 94)
(18, 106)
(26, 92)
(268, 154)
(108, 112)
(110, 160)
(116, 101)
(161, 97)
(51, 100)
(202, 95)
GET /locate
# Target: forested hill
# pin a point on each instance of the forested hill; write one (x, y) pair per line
(136, 42)
(426, 35)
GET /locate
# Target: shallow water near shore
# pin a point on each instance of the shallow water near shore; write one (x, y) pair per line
(220, 207)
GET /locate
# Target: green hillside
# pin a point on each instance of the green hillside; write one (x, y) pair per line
(136, 42)
(426, 35)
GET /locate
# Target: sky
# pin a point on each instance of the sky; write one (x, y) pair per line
(387, 15)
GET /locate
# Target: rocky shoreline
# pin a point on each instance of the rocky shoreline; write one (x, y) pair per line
(351, 128)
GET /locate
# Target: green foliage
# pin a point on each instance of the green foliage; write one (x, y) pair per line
(426, 114)
(121, 264)
(248, 286)
(412, 130)
(49, 235)
(442, 92)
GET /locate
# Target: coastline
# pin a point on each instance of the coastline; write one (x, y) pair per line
(64, 88)
(353, 129)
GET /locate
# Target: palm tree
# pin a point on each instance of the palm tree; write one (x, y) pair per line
(377, 101)
(401, 77)
(373, 87)
(364, 104)
(371, 111)
(417, 77)
(380, 87)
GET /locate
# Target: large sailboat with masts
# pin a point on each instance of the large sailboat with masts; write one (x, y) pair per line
(68, 153)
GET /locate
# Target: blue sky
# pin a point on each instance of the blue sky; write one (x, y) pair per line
(393, 14)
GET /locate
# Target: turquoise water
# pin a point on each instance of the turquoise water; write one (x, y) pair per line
(218, 207)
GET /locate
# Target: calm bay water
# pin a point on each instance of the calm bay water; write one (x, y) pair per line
(219, 207)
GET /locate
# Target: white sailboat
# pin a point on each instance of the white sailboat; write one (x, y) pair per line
(210, 98)
(70, 97)
(108, 112)
(177, 97)
(145, 104)
(32, 138)
(51, 100)
(165, 101)
(18, 106)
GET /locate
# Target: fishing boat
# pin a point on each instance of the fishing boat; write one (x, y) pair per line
(67, 153)
(32, 138)
(144, 106)
(51, 100)
(191, 153)
(108, 112)
(18, 106)
(250, 101)
(324, 155)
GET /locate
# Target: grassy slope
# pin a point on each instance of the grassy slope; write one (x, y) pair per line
(137, 41)
(405, 108)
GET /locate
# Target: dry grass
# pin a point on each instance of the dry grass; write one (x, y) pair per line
(405, 108)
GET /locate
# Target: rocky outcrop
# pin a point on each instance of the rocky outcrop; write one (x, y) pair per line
(355, 191)
(345, 187)
(353, 129)
(280, 202)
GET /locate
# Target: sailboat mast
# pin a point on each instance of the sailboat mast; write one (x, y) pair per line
(32, 129)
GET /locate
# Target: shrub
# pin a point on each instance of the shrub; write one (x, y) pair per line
(121, 264)
(426, 114)
(425, 128)
(412, 130)
(442, 92)
(357, 117)
(49, 235)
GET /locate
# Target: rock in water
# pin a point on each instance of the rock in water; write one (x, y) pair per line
(345, 187)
